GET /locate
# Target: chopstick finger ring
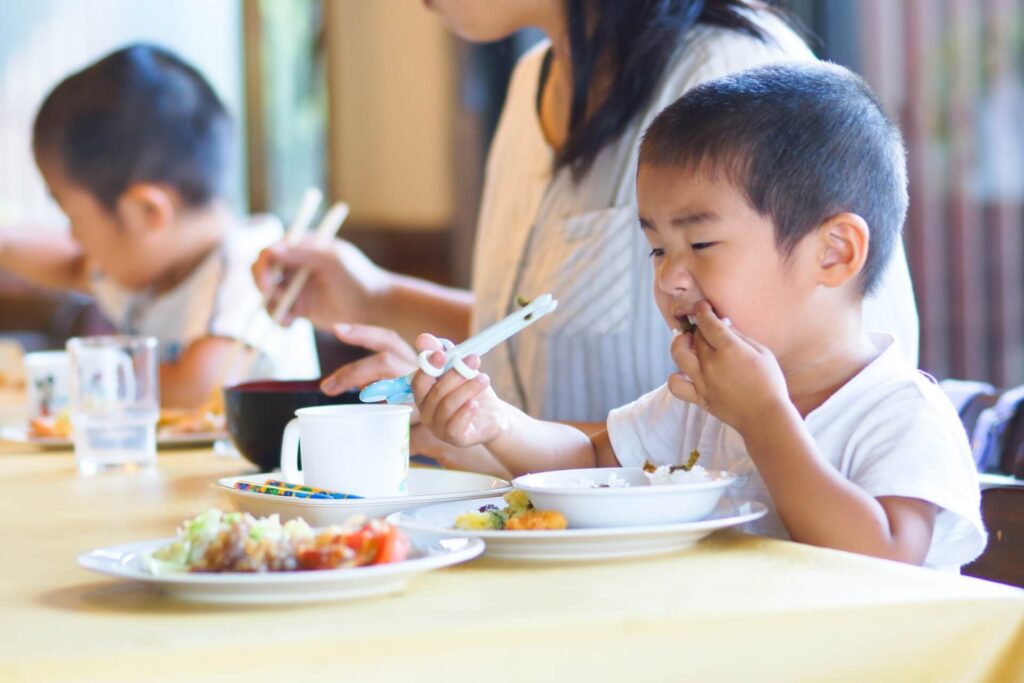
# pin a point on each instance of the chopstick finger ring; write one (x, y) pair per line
(428, 367)
(463, 369)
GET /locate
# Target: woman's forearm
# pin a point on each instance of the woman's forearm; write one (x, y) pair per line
(412, 306)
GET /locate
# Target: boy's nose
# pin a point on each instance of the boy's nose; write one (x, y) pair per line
(674, 277)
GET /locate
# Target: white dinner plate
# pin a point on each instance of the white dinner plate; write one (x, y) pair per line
(126, 562)
(577, 544)
(20, 434)
(426, 486)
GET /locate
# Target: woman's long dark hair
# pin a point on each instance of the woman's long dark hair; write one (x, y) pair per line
(637, 38)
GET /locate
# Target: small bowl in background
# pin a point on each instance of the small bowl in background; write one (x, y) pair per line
(638, 504)
(257, 413)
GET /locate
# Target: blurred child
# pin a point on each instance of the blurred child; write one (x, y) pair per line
(771, 200)
(136, 151)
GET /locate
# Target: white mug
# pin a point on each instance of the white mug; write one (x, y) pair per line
(358, 449)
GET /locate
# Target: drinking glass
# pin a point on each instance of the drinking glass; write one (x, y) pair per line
(115, 402)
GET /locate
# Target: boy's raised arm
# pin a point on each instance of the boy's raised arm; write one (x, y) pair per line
(739, 381)
(43, 257)
(821, 507)
(467, 412)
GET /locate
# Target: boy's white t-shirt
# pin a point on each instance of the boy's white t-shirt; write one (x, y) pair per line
(218, 299)
(889, 430)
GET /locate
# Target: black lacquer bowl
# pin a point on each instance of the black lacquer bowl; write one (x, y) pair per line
(258, 412)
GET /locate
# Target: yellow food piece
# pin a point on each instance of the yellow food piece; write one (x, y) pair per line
(518, 503)
(477, 521)
(518, 515)
(537, 520)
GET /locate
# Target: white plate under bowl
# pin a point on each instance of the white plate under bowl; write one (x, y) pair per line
(577, 544)
(126, 562)
(639, 504)
(20, 434)
(426, 486)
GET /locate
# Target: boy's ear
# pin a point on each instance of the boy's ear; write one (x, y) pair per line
(843, 240)
(146, 207)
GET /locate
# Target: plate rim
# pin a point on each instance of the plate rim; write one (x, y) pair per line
(90, 562)
(759, 510)
(419, 500)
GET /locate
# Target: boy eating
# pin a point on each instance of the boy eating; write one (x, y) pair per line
(771, 200)
(135, 149)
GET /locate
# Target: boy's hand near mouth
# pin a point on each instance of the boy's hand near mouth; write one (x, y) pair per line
(728, 374)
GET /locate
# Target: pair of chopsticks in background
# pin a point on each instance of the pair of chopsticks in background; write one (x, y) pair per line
(328, 228)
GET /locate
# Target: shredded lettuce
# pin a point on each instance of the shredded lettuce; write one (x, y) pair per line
(196, 534)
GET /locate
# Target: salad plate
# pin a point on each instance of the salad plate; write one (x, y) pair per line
(164, 439)
(577, 544)
(426, 486)
(128, 562)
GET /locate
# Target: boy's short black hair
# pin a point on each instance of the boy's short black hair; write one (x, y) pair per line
(140, 114)
(802, 141)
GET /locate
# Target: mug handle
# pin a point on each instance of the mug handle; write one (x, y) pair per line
(290, 453)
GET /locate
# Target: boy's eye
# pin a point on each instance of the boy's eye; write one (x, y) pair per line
(656, 252)
(698, 246)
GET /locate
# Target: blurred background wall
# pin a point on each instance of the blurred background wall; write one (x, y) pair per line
(42, 41)
(374, 102)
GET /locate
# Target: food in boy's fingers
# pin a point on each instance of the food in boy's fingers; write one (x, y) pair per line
(518, 515)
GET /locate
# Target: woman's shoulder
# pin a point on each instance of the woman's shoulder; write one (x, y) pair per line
(710, 52)
(526, 73)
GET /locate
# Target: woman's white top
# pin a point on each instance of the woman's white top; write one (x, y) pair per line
(541, 232)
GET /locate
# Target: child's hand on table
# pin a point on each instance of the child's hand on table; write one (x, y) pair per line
(463, 412)
(730, 375)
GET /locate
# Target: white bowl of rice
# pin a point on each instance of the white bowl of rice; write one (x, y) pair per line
(626, 496)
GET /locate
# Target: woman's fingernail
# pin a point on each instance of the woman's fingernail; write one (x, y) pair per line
(483, 379)
(342, 328)
(328, 384)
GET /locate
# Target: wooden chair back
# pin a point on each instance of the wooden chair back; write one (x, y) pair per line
(1002, 509)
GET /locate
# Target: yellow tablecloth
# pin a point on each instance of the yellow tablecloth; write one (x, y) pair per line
(733, 608)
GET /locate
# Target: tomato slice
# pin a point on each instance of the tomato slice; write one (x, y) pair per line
(394, 546)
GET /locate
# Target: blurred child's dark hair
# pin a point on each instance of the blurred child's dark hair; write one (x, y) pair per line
(803, 142)
(140, 114)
